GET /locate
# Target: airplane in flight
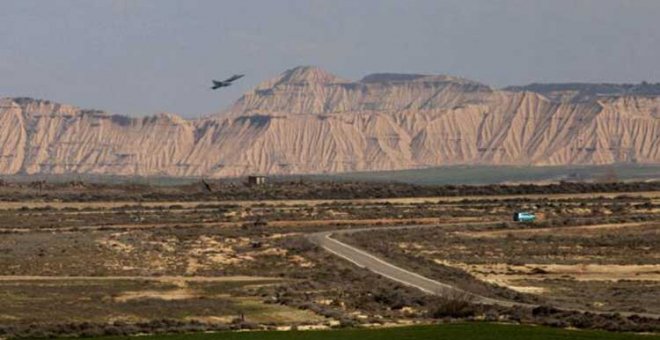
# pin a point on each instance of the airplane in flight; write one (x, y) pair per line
(226, 82)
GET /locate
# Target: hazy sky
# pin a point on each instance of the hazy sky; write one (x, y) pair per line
(143, 57)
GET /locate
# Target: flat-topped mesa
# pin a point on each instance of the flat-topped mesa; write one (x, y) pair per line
(31, 106)
(307, 120)
(412, 77)
(311, 90)
(167, 117)
(585, 92)
(39, 136)
(391, 77)
(425, 80)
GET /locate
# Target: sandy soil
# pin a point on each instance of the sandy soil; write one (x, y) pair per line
(176, 294)
(506, 275)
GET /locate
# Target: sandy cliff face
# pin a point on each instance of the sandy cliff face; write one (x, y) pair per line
(310, 121)
(45, 137)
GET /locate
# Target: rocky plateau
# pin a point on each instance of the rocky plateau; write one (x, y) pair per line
(309, 121)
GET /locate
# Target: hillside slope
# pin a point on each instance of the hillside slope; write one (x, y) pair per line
(309, 121)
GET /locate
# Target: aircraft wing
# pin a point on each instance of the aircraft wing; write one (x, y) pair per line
(234, 77)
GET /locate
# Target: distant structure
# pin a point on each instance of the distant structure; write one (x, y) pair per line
(254, 180)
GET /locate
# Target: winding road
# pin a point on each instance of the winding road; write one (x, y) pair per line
(379, 266)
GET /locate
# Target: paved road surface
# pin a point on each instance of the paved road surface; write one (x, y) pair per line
(392, 272)
(379, 266)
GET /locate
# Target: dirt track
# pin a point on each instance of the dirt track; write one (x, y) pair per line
(140, 278)
(192, 204)
(535, 231)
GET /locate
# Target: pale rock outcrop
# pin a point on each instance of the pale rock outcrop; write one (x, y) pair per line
(310, 121)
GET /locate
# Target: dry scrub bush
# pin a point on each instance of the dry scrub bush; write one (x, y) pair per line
(453, 304)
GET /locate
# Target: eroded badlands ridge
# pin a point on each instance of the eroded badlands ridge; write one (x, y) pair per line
(309, 121)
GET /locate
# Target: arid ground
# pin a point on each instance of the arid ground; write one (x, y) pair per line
(82, 259)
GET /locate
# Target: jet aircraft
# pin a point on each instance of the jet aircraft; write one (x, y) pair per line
(226, 82)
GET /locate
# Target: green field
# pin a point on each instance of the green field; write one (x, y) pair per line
(477, 175)
(445, 175)
(472, 331)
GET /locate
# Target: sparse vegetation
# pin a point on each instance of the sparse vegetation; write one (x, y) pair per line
(285, 189)
(151, 260)
(474, 331)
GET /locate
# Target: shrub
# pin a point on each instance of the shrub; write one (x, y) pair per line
(454, 304)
